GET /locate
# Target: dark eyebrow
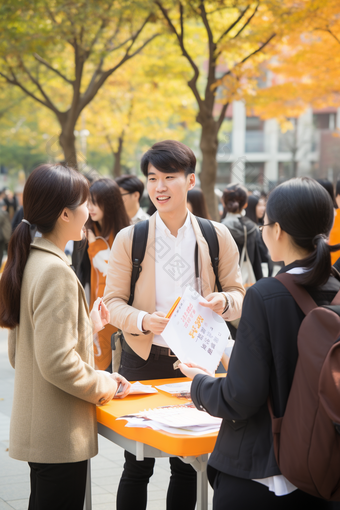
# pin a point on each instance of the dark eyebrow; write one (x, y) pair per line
(151, 173)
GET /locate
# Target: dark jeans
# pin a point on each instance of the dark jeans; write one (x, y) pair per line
(58, 486)
(132, 490)
(232, 493)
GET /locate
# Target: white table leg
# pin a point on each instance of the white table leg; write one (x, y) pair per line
(88, 495)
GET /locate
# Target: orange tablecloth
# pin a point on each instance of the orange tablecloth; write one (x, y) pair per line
(172, 444)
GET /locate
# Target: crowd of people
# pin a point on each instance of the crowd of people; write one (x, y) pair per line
(44, 298)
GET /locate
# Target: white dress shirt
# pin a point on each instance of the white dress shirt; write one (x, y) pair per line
(139, 216)
(174, 267)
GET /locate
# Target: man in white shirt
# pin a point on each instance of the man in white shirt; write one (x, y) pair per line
(168, 267)
(131, 189)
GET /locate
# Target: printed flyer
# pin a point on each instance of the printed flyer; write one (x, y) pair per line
(196, 334)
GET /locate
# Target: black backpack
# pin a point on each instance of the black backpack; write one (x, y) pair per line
(140, 238)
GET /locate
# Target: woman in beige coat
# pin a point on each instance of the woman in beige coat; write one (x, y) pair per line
(53, 422)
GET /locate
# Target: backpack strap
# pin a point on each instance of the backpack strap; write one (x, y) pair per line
(336, 300)
(209, 234)
(140, 238)
(300, 295)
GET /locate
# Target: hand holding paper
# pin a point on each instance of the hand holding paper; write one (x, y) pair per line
(195, 333)
(215, 301)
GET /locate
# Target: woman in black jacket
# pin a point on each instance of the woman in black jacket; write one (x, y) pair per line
(242, 469)
(235, 199)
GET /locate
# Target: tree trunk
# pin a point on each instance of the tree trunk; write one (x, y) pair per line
(117, 167)
(209, 146)
(67, 141)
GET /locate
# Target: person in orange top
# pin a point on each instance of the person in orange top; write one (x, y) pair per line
(107, 217)
(334, 235)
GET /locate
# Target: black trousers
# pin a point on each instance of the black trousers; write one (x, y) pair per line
(58, 486)
(132, 490)
(233, 493)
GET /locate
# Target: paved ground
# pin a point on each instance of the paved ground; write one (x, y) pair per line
(106, 467)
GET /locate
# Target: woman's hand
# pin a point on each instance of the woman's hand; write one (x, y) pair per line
(100, 315)
(190, 370)
(216, 302)
(123, 383)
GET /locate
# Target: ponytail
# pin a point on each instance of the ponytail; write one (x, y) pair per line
(10, 288)
(318, 263)
(48, 191)
(304, 210)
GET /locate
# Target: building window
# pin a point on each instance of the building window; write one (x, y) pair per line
(223, 173)
(254, 135)
(322, 121)
(254, 173)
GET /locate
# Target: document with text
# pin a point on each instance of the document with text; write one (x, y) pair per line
(196, 334)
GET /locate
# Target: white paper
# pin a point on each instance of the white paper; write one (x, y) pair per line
(176, 388)
(196, 334)
(181, 419)
(139, 388)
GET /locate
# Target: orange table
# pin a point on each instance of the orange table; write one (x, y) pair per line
(151, 443)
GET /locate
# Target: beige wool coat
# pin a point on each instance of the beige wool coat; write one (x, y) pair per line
(56, 388)
(118, 280)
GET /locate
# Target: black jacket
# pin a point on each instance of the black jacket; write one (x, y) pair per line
(235, 225)
(262, 362)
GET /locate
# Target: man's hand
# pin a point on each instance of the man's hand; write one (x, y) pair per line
(216, 302)
(155, 322)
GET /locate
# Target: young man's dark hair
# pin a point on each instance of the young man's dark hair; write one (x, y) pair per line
(169, 156)
(131, 183)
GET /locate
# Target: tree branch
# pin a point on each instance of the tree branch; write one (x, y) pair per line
(247, 22)
(221, 116)
(226, 32)
(95, 84)
(39, 87)
(46, 64)
(249, 56)
(180, 37)
(15, 82)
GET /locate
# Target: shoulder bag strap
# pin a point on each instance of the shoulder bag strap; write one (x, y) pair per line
(209, 234)
(140, 238)
(300, 295)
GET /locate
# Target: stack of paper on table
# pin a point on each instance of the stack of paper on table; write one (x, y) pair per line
(181, 419)
(196, 334)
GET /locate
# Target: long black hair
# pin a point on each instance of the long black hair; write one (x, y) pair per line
(48, 190)
(305, 211)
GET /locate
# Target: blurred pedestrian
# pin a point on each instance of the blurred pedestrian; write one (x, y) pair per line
(107, 217)
(197, 204)
(132, 189)
(255, 210)
(334, 235)
(5, 229)
(235, 199)
(11, 203)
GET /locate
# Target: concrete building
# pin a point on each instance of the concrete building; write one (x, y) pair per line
(257, 154)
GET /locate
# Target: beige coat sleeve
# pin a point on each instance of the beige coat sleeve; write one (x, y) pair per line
(61, 343)
(229, 271)
(118, 281)
(12, 338)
